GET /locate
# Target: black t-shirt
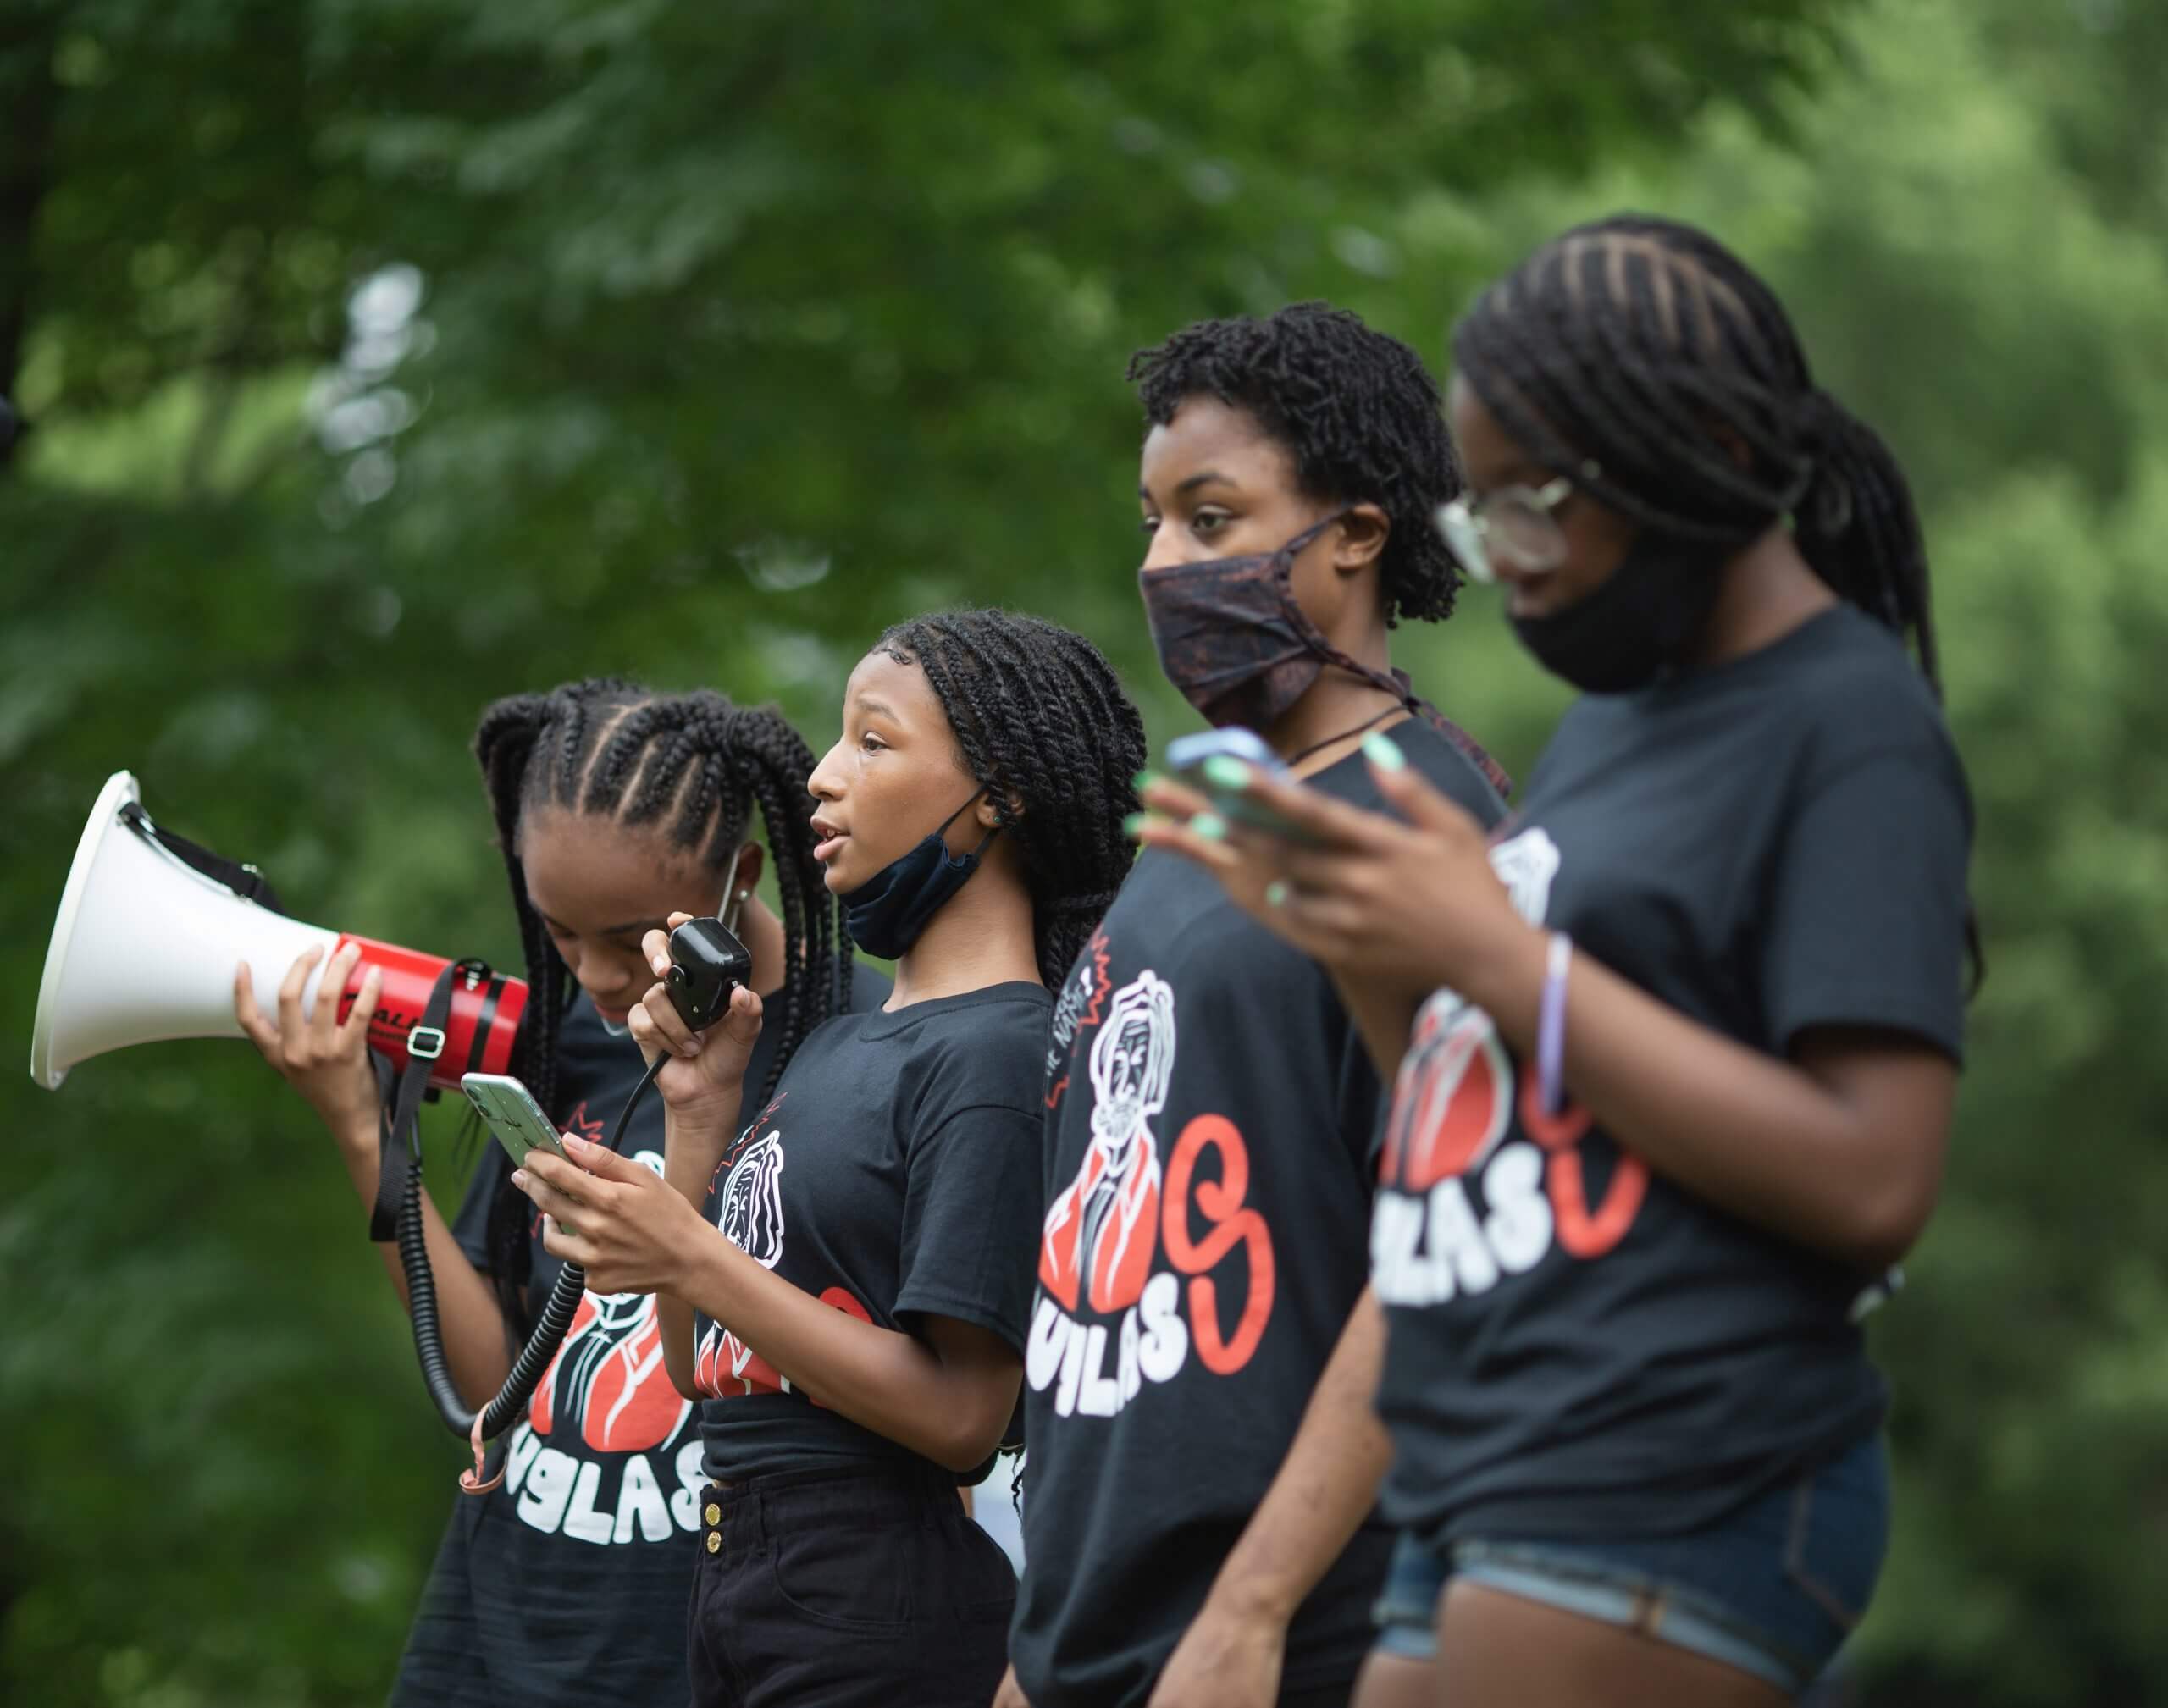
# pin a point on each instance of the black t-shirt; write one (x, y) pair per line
(1578, 1347)
(1209, 1136)
(894, 1174)
(580, 1559)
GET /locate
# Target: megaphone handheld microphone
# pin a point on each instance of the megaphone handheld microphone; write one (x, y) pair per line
(707, 963)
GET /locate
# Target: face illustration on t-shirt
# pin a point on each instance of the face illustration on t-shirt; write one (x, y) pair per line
(1103, 1228)
(1461, 1203)
(750, 1216)
(749, 1212)
(606, 1412)
(1106, 1323)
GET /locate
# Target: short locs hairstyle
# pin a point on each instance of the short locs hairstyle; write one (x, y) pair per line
(1356, 410)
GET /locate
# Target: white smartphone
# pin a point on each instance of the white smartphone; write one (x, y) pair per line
(510, 1112)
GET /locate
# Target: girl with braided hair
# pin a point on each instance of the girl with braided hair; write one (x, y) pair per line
(613, 807)
(857, 1310)
(1686, 1033)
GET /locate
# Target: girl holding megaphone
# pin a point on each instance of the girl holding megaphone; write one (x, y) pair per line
(614, 808)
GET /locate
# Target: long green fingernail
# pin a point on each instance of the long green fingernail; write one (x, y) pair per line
(1144, 780)
(1209, 826)
(1228, 773)
(1384, 752)
(1275, 893)
(1134, 823)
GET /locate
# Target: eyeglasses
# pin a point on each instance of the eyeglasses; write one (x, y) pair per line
(1515, 525)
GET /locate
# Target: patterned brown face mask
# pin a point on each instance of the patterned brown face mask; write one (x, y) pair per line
(1232, 638)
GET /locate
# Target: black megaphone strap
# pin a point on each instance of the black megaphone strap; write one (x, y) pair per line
(244, 879)
(399, 1099)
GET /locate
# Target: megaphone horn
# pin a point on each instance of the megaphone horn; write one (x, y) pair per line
(146, 943)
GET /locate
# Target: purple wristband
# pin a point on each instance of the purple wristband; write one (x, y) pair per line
(1550, 1025)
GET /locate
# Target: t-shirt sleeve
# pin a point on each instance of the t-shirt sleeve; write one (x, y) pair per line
(470, 1228)
(1457, 777)
(1867, 911)
(971, 1215)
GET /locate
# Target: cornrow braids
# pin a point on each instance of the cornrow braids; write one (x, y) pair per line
(1641, 358)
(1045, 728)
(693, 767)
(1356, 410)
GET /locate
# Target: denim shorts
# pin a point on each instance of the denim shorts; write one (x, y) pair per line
(1774, 1587)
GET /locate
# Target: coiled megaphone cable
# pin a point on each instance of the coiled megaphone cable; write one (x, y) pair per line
(482, 1427)
(707, 963)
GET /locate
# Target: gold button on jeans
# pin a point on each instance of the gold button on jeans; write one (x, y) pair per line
(714, 1514)
(715, 1541)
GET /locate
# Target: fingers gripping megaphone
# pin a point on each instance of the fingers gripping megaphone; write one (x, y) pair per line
(150, 930)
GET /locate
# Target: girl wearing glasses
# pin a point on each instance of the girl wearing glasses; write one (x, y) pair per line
(1682, 1038)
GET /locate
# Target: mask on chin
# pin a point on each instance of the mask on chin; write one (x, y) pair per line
(1231, 637)
(887, 913)
(1641, 625)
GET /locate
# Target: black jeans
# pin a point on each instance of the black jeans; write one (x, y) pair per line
(833, 1590)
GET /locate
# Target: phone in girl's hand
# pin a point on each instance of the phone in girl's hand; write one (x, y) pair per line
(512, 1116)
(1186, 758)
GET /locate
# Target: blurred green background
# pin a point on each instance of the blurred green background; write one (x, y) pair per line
(389, 355)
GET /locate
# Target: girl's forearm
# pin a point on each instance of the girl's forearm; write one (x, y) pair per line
(891, 1383)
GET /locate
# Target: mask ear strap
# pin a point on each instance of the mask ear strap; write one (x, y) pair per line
(1313, 637)
(1309, 536)
(944, 831)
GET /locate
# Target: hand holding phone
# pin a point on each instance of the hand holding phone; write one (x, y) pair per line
(516, 1120)
(1186, 759)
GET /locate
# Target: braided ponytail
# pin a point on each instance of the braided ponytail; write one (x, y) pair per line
(1856, 524)
(508, 743)
(772, 763)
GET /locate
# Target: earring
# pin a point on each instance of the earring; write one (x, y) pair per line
(744, 895)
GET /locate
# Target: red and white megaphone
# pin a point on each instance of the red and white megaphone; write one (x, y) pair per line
(145, 944)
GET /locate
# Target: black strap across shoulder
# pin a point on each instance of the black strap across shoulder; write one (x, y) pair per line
(399, 1097)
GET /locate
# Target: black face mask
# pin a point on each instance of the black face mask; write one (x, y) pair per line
(885, 914)
(1232, 638)
(1638, 626)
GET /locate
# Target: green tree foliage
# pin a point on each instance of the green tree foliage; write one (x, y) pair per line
(389, 355)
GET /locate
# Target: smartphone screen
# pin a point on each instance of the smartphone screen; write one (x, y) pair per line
(514, 1118)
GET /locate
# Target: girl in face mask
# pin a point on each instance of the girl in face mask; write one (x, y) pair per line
(854, 1309)
(1683, 1098)
(1201, 1358)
